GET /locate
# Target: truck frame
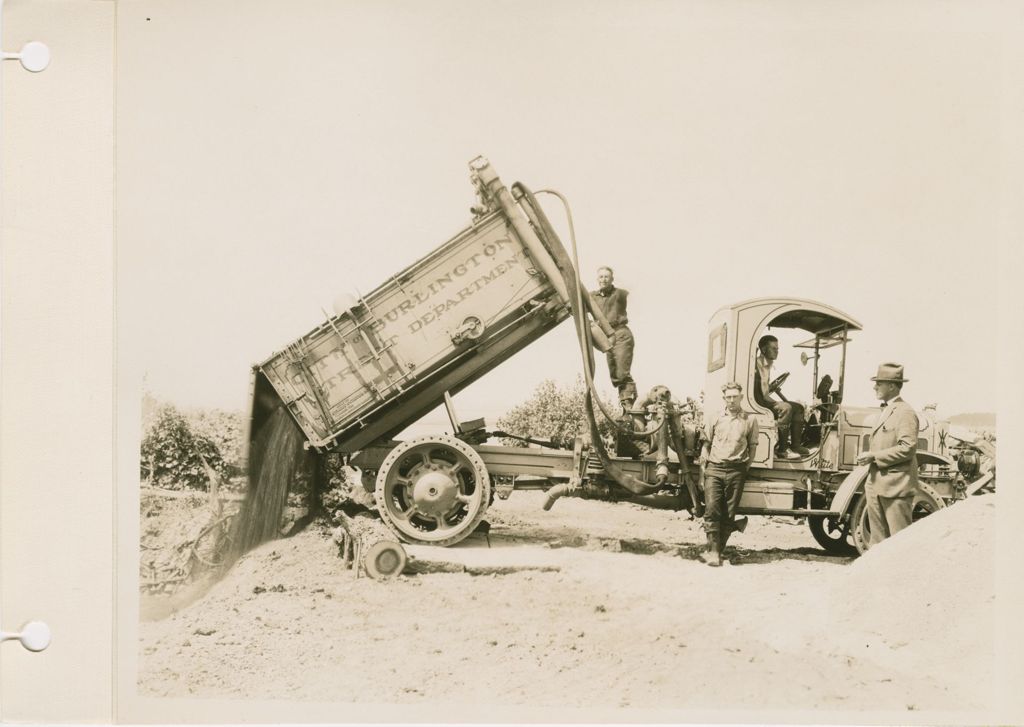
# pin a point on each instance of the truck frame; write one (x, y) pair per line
(386, 359)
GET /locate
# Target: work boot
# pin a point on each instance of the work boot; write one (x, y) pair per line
(798, 438)
(782, 446)
(782, 450)
(713, 555)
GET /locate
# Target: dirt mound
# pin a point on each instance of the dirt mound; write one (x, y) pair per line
(924, 599)
(603, 630)
(179, 541)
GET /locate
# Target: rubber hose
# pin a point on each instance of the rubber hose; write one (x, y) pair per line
(569, 270)
(540, 218)
(627, 481)
(554, 493)
(684, 470)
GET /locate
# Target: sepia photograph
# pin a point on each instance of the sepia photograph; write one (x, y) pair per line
(549, 362)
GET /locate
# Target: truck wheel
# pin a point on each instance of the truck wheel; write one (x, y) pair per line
(926, 501)
(835, 542)
(433, 489)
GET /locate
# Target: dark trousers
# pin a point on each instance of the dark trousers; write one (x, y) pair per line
(790, 418)
(723, 487)
(887, 515)
(620, 359)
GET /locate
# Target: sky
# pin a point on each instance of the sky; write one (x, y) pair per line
(272, 159)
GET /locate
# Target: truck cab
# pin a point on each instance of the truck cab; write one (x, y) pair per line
(817, 333)
(825, 484)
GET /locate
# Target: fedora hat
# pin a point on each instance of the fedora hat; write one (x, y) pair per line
(890, 372)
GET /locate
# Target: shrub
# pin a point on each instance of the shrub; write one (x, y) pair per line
(555, 412)
(225, 429)
(173, 452)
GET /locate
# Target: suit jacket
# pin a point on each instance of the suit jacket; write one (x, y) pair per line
(894, 444)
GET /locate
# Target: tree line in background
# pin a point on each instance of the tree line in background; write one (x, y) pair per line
(555, 412)
(178, 446)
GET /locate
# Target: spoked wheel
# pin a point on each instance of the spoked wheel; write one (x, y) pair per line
(834, 537)
(433, 490)
(926, 501)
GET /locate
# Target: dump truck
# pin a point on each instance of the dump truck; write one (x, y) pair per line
(378, 365)
(383, 360)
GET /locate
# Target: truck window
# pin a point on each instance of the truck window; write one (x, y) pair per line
(716, 349)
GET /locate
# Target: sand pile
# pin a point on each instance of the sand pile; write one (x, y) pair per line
(607, 629)
(923, 601)
(178, 539)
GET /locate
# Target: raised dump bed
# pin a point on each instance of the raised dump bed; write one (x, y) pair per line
(434, 327)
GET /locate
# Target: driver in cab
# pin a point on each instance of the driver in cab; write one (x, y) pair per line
(789, 415)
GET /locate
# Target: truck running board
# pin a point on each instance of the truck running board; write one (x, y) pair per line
(794, 513)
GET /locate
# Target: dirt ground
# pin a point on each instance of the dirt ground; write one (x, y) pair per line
(784, 626)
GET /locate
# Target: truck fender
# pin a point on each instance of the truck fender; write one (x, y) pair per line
(853, 484)
(924, 458)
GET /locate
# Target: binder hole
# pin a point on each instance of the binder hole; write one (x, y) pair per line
(35, 636)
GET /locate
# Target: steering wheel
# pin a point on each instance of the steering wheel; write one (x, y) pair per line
(777, 382)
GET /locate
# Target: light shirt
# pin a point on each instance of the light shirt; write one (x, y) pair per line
(732, 436)
(764, 370)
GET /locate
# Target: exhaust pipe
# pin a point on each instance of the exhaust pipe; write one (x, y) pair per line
(556, 492)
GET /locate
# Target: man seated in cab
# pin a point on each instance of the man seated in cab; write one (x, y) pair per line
(789, 415)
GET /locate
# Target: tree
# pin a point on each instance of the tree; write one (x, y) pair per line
(555, 412)
(173, 452)
(225, 429)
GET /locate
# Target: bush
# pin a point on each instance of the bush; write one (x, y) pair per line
(225, 429)
(555, 412)
(173, 452)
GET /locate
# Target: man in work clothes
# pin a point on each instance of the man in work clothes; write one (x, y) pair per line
(892, 479)
(730, 441)
(789, 415)
(612, 302)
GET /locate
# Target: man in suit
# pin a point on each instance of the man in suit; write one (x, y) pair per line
(892, 479)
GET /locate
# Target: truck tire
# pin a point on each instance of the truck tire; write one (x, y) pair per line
(433, 490)
(926, 501)
(835, 542)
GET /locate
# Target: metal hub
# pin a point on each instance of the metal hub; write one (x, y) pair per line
(433, 489)
(434, 492)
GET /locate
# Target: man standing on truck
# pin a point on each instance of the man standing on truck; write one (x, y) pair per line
(789, 415)
(892, 456)
(730, 442)
(612, 302)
